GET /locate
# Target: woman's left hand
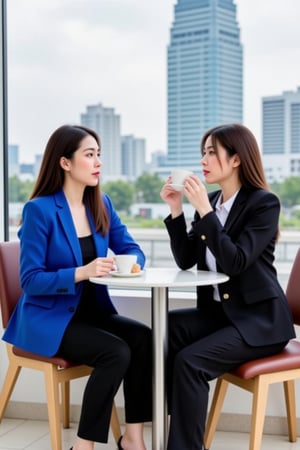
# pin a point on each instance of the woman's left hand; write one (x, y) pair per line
(196, 194)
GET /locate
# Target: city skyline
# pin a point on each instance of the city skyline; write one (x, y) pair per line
(281, 136)
(54, 77)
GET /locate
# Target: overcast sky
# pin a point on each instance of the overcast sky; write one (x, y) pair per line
(66, 54)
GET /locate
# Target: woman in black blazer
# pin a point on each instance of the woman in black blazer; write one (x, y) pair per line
(234, 231)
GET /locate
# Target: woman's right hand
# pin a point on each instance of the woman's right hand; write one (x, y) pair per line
(172, 198)
(99, 267)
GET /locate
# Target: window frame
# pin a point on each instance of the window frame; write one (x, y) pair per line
(4, 222)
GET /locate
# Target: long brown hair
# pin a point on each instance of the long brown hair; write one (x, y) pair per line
(238, 139)
(64, 142)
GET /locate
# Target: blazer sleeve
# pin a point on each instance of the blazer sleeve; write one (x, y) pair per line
(251, 226)
(45, 268)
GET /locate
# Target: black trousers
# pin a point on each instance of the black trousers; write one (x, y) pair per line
(202, 346)
(119, 349)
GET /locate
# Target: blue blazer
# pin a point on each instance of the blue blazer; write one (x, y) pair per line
(50, 252)
(252, 299)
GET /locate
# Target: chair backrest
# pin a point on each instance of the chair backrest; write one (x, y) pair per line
(10, 288)
(293, 289)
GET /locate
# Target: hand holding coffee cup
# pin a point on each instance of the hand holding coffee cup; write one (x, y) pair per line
(178, 177)
(125, 263)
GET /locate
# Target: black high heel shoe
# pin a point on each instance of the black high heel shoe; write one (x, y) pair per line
(119, 444)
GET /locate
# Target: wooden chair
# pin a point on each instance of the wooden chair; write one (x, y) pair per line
(57, 371)
(256, 376)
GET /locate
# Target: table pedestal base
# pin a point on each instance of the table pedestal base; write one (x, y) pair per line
(160, 415)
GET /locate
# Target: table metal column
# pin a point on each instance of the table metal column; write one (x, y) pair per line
(159, 326)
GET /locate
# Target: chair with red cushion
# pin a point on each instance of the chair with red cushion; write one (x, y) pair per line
(256, 376)
(57, 371)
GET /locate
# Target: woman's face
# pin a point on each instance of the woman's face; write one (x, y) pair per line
(84, 166)
(217, 166)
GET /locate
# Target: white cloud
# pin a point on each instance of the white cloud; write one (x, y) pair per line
(64, 55)
(269, 32)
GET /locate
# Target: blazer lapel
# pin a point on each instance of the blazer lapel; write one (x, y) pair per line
(65, 217)
(236, 209)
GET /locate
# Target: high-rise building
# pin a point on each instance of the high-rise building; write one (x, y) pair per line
(107, 124)
(281, 135)
(205, 75)
(133, 156)
(158, 159)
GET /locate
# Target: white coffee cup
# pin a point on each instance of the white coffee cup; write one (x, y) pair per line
(124, 263)
(178, 177)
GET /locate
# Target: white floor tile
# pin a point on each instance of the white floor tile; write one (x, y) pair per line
(34, 435)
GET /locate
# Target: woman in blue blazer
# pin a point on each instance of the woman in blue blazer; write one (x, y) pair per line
(67, 228)
(234, 231)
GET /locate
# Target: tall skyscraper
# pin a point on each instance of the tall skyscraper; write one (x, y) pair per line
(205, 75)
(107, 124)
(281, 135)
(133, 156)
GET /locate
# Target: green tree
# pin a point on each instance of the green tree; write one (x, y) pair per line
(19, 191)
(148, 187)
(13, 189)
(289, 191)
(275, 187)
(26, 190)
(121, 193)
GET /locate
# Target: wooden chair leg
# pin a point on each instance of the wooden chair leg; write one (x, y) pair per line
(259, 403)
(115, 424)
(52, 390)
(290, 402)
(65, 401)
(8, 386)
(215, 411)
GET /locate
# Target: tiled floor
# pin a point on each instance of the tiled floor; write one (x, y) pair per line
(34, 435)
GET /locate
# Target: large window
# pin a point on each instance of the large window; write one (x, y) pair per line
(3, 125)
(69, 58)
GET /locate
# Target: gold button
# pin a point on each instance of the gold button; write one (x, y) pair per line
(203, 237)
(226, 296)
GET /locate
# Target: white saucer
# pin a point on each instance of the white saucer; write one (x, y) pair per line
(115, 273)
(177, 187)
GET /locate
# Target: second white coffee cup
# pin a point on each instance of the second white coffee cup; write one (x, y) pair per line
(178, 177)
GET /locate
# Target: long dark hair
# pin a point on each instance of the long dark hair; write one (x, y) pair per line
(239, 140)
(64, 142)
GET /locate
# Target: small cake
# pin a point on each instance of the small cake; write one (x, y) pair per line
(135, 268)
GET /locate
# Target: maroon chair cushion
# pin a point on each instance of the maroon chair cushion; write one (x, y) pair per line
(10, 288)
(57, 360)
(288, 358)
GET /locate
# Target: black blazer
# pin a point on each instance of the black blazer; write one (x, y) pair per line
(252, 299)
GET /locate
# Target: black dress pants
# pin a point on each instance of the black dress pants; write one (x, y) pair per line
(202, 346)
(119, 349)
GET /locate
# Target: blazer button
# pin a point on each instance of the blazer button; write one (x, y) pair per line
(203, 237)
(226, 296)
(71, 309)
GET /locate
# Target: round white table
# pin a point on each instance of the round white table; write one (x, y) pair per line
(160, 280)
